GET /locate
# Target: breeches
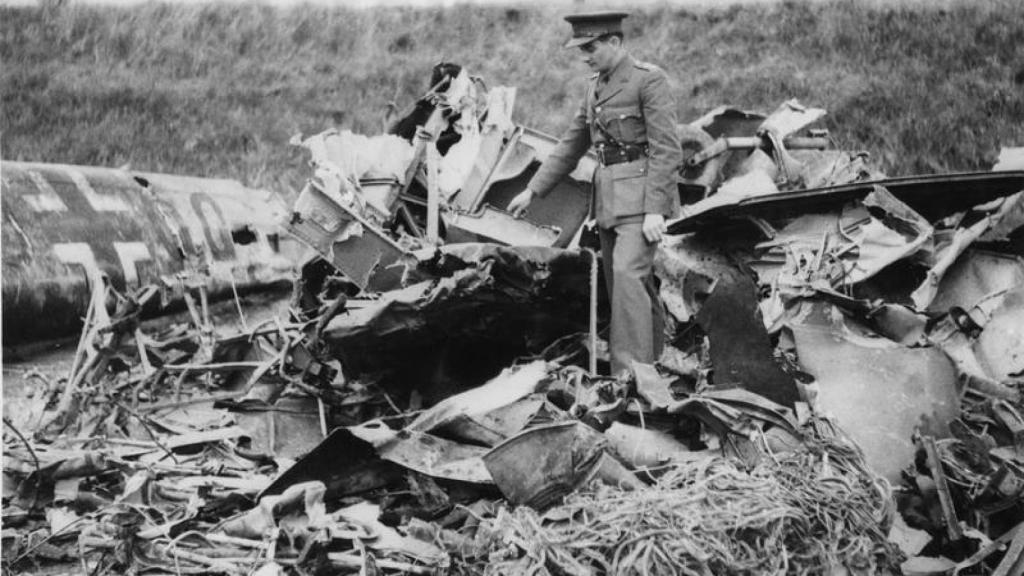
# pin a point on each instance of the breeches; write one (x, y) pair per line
(638, 318)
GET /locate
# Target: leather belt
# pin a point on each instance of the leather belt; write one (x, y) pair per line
(608, 154)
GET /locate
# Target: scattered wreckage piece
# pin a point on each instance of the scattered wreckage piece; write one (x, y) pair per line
(977, 276)
(877, 297)
(563, 457)
(384, 459)
(425, 453)
(951, 241)
(842, 248)
(1000, 345)
(172, 462)
(880, 391)
(372, 200)
(727, 146)
(650, 450)
(69, 229)
(510, 386)
(487, 306)
(740, 349)
(933, 197)
(702, 284)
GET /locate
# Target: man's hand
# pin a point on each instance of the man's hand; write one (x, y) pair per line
(520, 203)
(654, 227)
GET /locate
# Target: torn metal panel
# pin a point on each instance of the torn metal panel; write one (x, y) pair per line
(67, 228)
(1010, 228)
(354, 245)
(649, 448)
(834, 167)
(977, 275)
(651, 386)
(949, 244)
(932, 197)
(352, 156)
(380, 537)
(490, 305)
(508, 387)
(736, 411)
(841, 248)
(741, 351)
(948, 336)
(1000, 346)
(702, 283)
(492, 225)
(708, 136)
(894, 321)
(345, 464)
(564, 209)
(879, 391)
(497, 137)
(494, 427)
(688, 266)
(540, 466)
(910, 540)
(728, 121)
(513, 418)
(303, 502)
(289, 428)
(790, 117)
(426, 453)
(356, 227)
(736, 155)
(363, 174)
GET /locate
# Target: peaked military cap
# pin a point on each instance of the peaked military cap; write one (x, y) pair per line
(589, 27)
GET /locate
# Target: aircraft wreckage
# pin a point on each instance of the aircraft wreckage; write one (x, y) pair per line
(69, 229)
(842, 392)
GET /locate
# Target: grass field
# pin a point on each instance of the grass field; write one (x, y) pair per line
(218, 90)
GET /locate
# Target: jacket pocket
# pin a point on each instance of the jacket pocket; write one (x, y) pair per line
(624, 123)
(629, 180)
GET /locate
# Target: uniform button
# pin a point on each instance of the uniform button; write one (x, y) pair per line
(597, 109)
(622, 116)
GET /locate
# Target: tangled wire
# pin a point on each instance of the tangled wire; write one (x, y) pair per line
(806, 512)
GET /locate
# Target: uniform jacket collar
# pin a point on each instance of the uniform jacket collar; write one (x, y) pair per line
(611, 83)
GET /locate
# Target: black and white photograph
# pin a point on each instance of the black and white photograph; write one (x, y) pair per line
(512, 287)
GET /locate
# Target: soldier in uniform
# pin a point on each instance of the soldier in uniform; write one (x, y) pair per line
(628, 116)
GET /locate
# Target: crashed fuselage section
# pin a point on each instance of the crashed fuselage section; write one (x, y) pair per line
(69, 231)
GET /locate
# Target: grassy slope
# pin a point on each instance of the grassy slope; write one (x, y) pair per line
(218, 90)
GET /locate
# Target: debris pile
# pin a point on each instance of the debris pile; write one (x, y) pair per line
(174, 455)
(799, 511)
(841, 392)
(881, 302)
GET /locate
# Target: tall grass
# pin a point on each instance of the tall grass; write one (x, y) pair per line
(218, 89)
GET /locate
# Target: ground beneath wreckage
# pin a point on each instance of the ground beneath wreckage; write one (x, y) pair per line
(53, 359)
(27, 368)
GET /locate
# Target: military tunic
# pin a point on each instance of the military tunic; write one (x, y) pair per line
(630, 106)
